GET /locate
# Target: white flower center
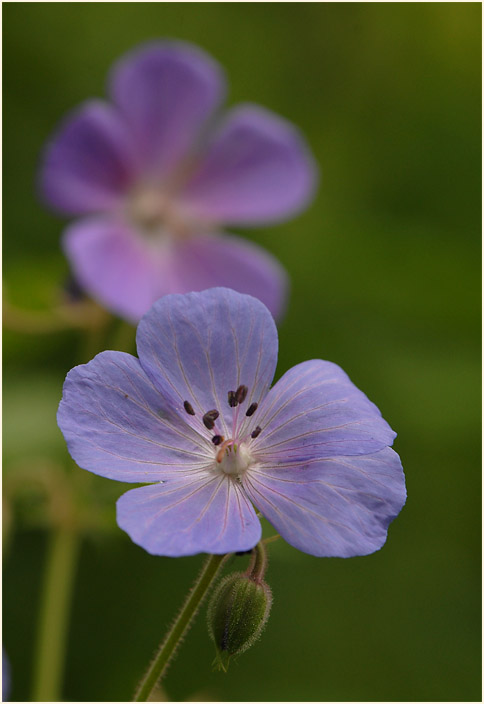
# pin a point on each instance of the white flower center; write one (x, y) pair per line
(153, 211)
(236, 460)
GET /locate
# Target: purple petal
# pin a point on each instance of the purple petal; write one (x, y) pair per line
(257, 169)
(337, 507)
(186, 515)
(206, 261)
(89, 163)
(116, 266)
(127, 272)
(118, 425)
(200, 346)
(315, 411)
(166, 91)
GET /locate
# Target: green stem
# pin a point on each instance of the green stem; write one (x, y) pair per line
(181, 625)
(272, 538)
(60, 569)
(83, 316)
(54, 614)
(258, 563)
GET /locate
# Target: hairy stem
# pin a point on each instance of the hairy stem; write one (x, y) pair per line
(181, 625)
(258, 563)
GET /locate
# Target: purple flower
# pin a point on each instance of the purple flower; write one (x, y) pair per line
(195, 416)
(154, 184)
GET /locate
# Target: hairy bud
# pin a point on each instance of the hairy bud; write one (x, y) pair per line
(237, 613)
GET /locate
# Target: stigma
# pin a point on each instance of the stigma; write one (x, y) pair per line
(233, 459)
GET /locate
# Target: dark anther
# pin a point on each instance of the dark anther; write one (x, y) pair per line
(243, 552)
(209, 418)
(188, 408)
(251, 410)
(232, 396)
(217, 439)
(256, 432)
(241, 393)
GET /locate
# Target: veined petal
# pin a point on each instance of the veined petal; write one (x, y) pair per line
(166, 91)
(336, 507)
(88, 164)
(186, 515)
(115, 266)
(199, 346)
(117, 424)
(315, 411)
(206, 261)
(257, 169)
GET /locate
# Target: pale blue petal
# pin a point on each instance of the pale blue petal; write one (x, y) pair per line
(315, 411)
(200, 346)
(186, 515)
(117, 424)
(336, 507)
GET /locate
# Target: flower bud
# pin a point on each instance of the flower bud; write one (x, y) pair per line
(237, 613)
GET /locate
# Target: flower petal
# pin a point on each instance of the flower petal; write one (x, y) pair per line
(199, 346)
(205, 261)
(166, 91)
(187, 515)
(257, 169)
(118, 425)
(89, 163)
(127, 272)
(337, 507)
(315, 411)
(115, 265)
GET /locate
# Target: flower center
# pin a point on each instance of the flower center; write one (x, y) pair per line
(154, 212)
(235, 460)
(232, 455)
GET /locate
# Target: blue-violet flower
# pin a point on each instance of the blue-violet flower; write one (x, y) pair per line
(155, 179)
(195, 416)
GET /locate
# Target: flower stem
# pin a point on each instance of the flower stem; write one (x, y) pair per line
(61, 565)
(271, 539)
(258, 563)
(54, 613)
(83, 316)
(181, 625)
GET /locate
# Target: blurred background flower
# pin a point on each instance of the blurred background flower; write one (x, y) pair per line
(157, 186)
(385, 272)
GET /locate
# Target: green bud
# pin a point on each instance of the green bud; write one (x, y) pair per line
(237, 613)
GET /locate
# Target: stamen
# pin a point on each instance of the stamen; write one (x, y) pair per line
(255, 433)
(217, 439)
(232, 398)
(188, 408)
(241, 393)
(252, 409)
(209, 418)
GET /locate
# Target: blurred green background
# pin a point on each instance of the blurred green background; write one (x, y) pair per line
(385, 270)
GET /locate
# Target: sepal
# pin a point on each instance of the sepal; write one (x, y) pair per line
(237, 613)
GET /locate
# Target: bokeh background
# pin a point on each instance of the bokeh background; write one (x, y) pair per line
(385, 270)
